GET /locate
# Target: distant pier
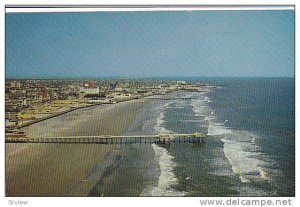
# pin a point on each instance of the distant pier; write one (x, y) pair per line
(164, 139)
(172, 98)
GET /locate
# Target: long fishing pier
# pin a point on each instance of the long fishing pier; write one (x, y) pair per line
(111, 139)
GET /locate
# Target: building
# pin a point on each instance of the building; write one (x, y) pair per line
(181, 82)
(15, 84)
(103, 100)
(88, 89)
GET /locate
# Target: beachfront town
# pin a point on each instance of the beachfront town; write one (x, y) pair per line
(30, 101)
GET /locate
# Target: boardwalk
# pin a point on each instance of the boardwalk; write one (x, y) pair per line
(110, 139)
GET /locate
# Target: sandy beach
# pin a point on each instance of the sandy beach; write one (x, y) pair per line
(70, 169)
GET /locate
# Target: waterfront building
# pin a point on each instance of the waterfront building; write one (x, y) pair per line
(89, 89)
(181, 82)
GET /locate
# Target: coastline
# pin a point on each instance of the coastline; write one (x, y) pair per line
(64, 112)
(53, 115)
(115, 170)
(35, 170)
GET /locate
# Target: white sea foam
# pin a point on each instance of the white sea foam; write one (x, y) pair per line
(199, 106)
(245, 157)
(240, 147)
(191, 120)
(175, 107)
(215, 129)
(250, 191)
(167, 177)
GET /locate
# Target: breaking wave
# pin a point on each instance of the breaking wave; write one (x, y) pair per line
(167, 177)
(240, 148)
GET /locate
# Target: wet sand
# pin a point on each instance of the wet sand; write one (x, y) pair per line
(70, 169)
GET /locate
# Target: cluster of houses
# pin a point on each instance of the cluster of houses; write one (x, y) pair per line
(26, 100)
(92, 94)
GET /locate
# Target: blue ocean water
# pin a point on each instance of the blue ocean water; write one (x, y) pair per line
(250, 149)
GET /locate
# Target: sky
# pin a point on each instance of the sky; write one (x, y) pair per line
(150, 44)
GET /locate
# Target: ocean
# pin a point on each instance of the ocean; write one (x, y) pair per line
(249, 151)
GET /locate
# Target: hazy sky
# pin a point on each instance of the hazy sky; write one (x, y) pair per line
(139, 44)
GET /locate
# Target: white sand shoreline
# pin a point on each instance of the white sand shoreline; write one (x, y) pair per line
(61, 169)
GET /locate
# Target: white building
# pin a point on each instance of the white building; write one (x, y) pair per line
(15, 84)
(99, 101)
(119, 95)
(181, 82)
(119, 89)
(89, 89)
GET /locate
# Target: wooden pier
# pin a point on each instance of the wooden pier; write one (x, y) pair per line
(170, 98)
(111, 139)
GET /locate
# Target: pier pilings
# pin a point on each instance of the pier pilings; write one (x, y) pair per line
(163, 139)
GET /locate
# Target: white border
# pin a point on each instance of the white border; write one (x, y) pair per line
(57, 201)
(197, 8)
